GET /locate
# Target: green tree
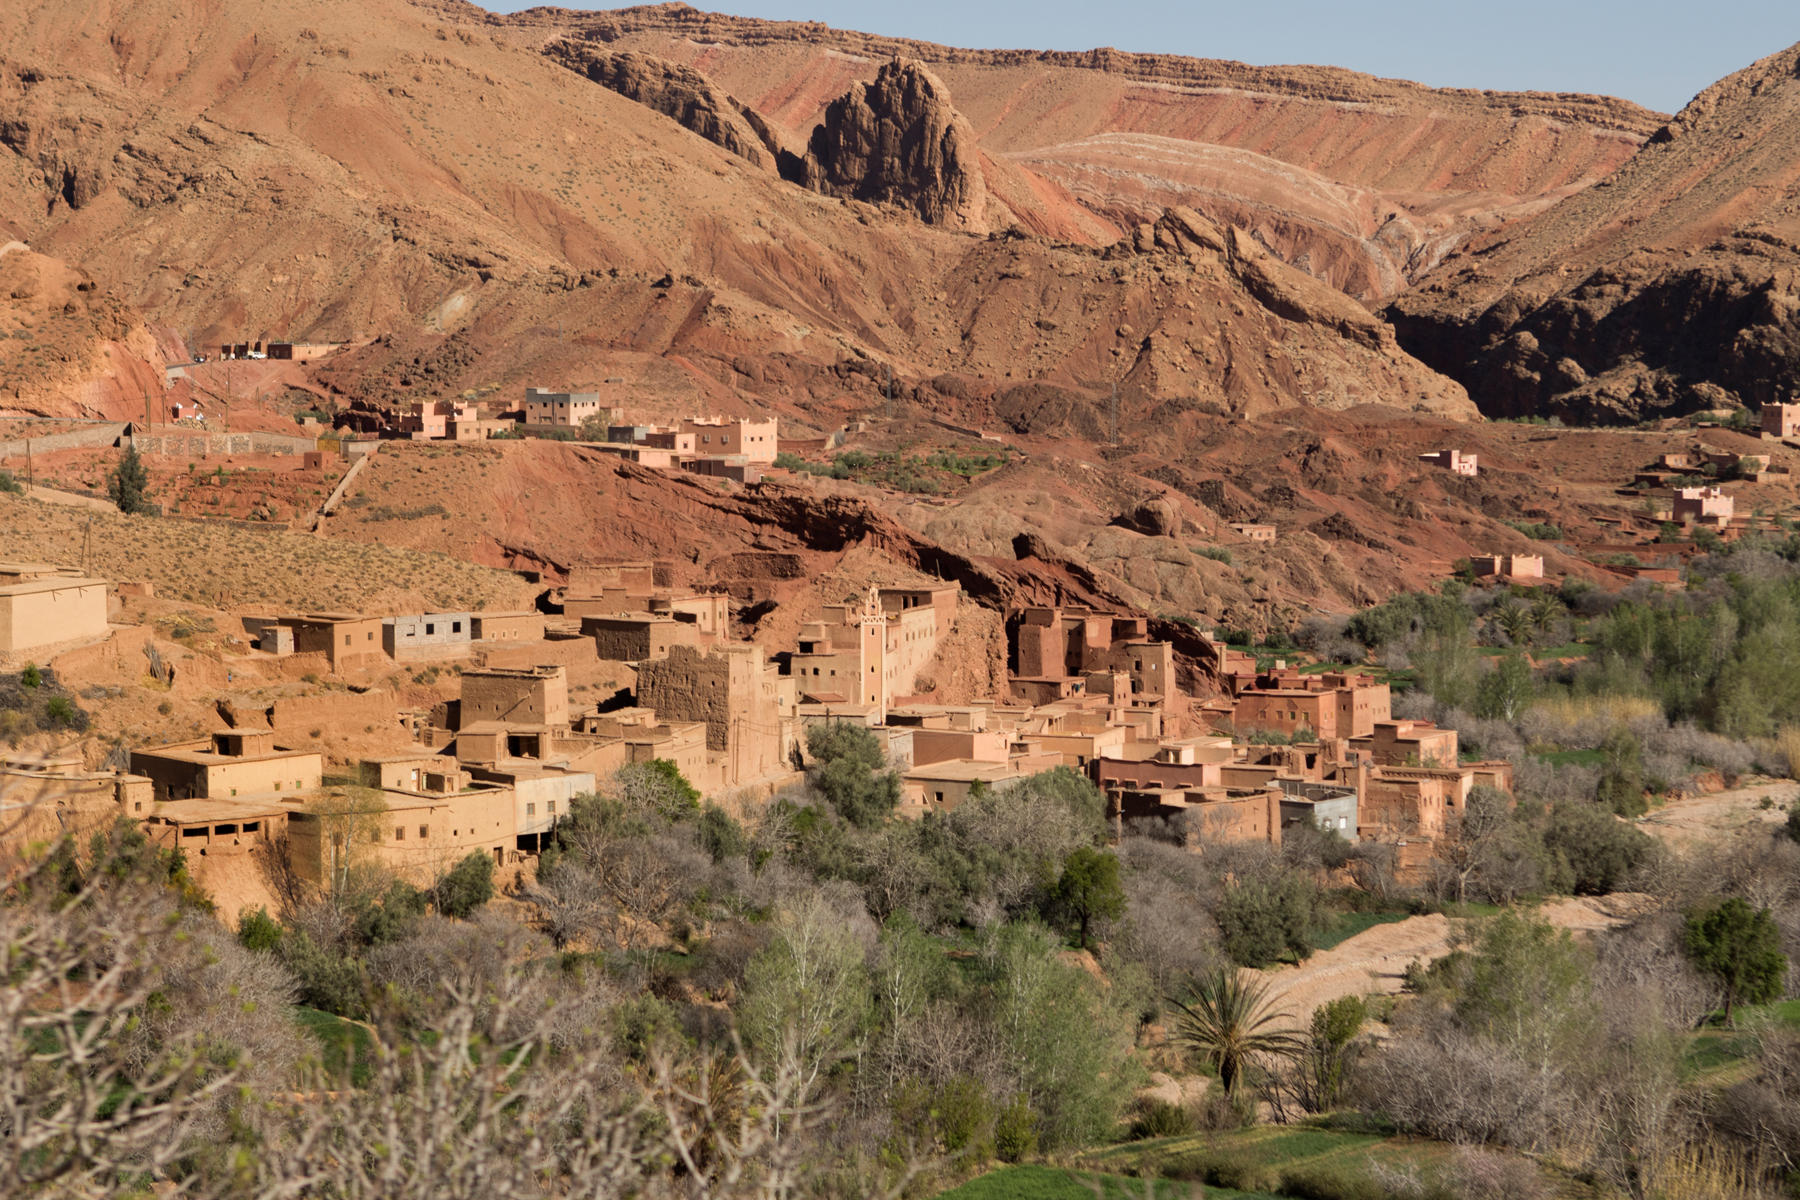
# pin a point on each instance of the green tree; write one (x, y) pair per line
(1227, 1021)
(806, 995)
(1505, 691)
(848, 771)
(1621, 786)
(1264, 917)
(129, 484)
(1600, 850)
(1514, 620)
(31, 676)
(1328, 1055)
(466, 886)
(1738, 946)
(1089, 888)
(1066, 1039)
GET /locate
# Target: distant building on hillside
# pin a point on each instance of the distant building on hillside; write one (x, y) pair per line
(1781, 420)
(1703, 506)
(1453, 461)
(564, 410)
(1508, 566)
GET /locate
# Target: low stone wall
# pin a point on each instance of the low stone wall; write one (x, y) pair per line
(105, 433)
(198, 443)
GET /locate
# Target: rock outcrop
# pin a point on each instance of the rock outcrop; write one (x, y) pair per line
(899, 141)
(1671, 285)
(677, 92)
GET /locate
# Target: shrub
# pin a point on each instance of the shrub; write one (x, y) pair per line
(258, 931)
(1015, 1132)
(1159, 1118)
(60, 712)
(466, 887)
(31, 676)
(1261, 919)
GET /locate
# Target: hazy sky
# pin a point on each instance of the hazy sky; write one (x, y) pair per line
(1657, 52)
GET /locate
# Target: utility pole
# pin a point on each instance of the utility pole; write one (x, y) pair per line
(1115, 414)
(87, 543)
(30, 470)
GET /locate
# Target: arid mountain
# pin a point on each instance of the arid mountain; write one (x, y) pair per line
(423, 174)
(1672, 285)
(69, 349)
(1364, 182)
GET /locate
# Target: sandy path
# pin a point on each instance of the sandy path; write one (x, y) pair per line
(1684, 822)
(1375, 960)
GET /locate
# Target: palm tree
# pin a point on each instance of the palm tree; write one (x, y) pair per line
(1545, 610)
(1513, 620)
(1227, 1020)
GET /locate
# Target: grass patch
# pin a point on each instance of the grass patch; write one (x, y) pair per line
(1049, 1183)
(344, 1046)
(1566, 650)
(1344, 926)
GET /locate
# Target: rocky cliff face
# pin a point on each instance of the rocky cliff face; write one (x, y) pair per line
(1672, 285)
(899, 141)
(677, 92)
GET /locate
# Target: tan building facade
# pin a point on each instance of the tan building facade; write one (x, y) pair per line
(50, 608)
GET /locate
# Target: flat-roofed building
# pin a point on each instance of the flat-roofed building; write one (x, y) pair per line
(728, 436)
(945, 786)
(638, 637)
(233, 763)
(564, 410)
(428, 635)
(524, 696)
(349, 641)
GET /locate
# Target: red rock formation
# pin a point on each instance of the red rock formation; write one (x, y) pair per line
(899, 141)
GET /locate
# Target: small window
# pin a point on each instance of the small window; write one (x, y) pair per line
(399, 833)
(456, 627)
(424, 832)
(531, 810)
(430, 629)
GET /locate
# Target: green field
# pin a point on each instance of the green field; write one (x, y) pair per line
(1049, 1183)
(1343, 926)
(1311, 1159)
